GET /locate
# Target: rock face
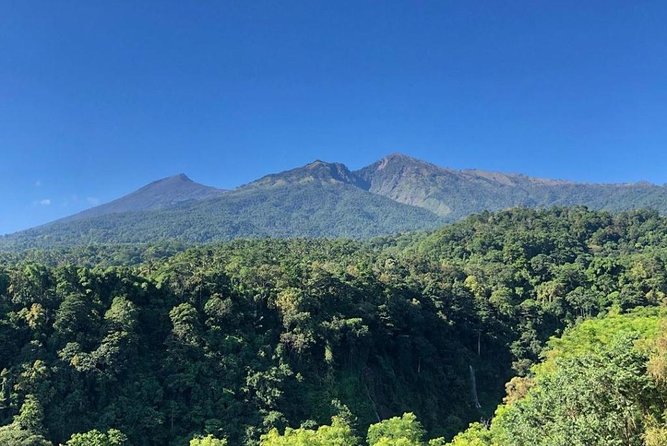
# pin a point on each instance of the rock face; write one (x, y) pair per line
(410, 181)
(454, 194)
(397, 193)
(316, 172)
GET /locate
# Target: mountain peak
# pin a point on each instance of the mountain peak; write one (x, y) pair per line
(398, 162)
(400, 156)
(181, 177)
(317, 171)
(160, 194)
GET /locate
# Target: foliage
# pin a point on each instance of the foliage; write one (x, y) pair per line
(94, 437)
(593, 389)
(339, 433)
(403, 431)
(27, 428)
(257, 337)
(208, 440)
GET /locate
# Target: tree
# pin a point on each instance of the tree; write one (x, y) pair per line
(94, 437)
(27, 428)
(476, 435)
(208, 440)
(339, 433)
(399, 431)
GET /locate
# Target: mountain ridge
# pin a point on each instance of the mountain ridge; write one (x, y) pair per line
(315, 171)
(326, 199)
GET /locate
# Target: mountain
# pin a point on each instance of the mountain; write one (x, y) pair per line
(159, 194)
(454, 194)
(317, 172)
(321, 199)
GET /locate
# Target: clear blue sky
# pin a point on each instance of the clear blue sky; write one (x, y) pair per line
(99, 98)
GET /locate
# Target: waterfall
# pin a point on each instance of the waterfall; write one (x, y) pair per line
(473, 388)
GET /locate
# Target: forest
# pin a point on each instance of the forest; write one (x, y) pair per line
(519, 327)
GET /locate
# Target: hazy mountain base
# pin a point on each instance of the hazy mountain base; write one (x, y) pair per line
(237, 339)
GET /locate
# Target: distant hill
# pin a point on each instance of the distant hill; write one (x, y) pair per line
(159, 194)
(395, 194)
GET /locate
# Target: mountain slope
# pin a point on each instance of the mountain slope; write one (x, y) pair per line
(159, 194)
(320, 199)
(395, 194)
(316, 172)
(453, 194)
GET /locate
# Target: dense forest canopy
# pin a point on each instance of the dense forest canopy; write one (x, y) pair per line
(603, 383)
(279, 342)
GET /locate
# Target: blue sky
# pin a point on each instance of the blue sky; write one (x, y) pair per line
(99, 98)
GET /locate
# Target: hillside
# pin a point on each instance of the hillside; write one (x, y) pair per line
(301, 208)
(159, 194)
(454, 194)
(601, 384)
(317, 172)
(320, 199)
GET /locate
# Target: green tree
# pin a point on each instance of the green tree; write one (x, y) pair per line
(400, 431)
(208, 440)
(339, 433)
(27, 428)
(94, 437)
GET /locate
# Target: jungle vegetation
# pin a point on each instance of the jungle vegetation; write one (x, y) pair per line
(521, 322)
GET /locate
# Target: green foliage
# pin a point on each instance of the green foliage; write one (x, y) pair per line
(249, 337)
(591, 399)
(94, 437)
(339, 433)
(13, 435)
(27, 427)
(398, 431)
(476, 435)
(208, 440)
(592, 389)
(31, 416)
(656, 435)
